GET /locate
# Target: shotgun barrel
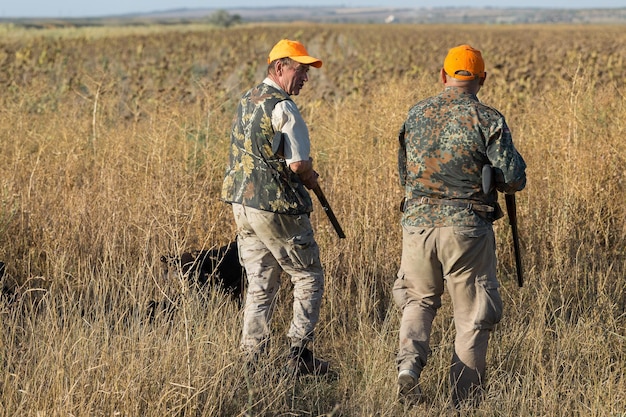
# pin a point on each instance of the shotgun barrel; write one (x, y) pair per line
(329, 211)
(511, 210)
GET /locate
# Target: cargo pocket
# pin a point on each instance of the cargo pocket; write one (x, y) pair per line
(488, 304)
(399, 290)
(302, 250)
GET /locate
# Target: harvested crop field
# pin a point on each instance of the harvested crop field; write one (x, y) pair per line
(113, 148)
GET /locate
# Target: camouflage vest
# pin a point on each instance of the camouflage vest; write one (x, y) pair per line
(256, 176)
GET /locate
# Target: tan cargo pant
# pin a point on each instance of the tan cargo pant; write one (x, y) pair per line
(463, 257)
(268, 243)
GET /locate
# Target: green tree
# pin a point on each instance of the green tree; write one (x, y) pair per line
(224, 19)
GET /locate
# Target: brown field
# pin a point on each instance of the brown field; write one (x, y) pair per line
(113, 146)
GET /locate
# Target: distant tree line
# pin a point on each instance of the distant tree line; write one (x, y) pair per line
(224, 19)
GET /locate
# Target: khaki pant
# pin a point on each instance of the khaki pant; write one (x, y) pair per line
(268, 244)
(464, 258)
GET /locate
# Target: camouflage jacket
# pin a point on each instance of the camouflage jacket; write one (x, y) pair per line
(256, 176)
(444, 144)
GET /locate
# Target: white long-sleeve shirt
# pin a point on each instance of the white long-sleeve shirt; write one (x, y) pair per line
(286, 118)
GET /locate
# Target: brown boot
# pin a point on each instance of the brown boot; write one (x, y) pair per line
(302, 362)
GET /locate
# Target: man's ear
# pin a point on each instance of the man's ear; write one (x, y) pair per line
(278, 67)
(444, 76)
(482, 80)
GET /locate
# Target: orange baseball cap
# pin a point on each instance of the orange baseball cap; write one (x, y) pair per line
(294, 50)
(464, 58)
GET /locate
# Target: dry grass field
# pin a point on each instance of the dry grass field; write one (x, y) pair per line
(113, 144)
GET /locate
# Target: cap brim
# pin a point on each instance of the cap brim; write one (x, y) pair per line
(466, 77)
(308, 60)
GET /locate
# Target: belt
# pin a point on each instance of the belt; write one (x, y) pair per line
(468, 204)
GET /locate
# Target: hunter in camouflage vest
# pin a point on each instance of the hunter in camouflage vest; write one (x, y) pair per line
(266, 182)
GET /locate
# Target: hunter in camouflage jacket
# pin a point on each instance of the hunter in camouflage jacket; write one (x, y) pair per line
(443, 161)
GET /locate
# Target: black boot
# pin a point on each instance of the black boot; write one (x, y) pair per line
(302, 362)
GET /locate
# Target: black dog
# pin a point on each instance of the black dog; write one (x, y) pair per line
(214, 268)
(5, 290)
(217, 269)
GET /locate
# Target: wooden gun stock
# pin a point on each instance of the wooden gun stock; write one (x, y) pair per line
(329, 211)
(511, 210)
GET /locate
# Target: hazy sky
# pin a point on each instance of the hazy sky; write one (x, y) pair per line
(89, 8)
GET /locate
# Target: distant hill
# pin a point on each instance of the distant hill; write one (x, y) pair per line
(487, 15)
(427, 15)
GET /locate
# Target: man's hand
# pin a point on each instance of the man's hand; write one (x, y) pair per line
(304, 170)
(310, 182)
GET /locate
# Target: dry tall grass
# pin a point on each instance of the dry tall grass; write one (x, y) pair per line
(113, 147)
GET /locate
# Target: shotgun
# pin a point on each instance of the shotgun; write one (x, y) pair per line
(511, 210)
(329, 211)
(277, 149)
